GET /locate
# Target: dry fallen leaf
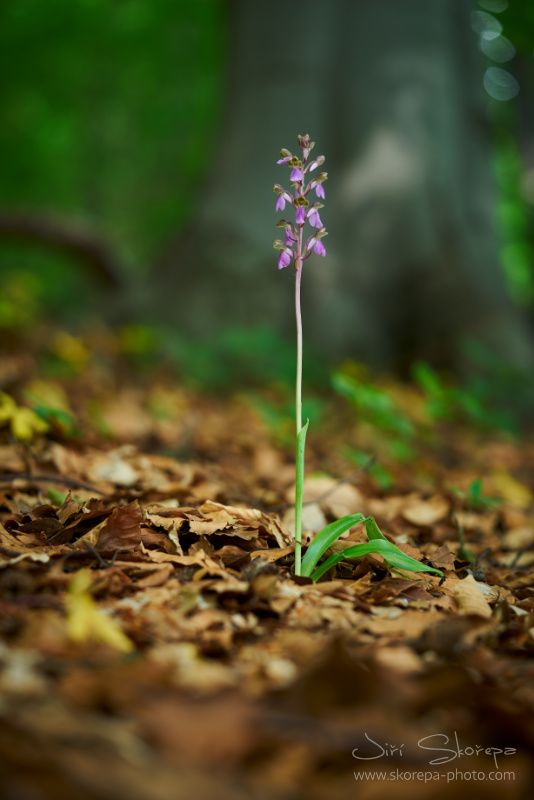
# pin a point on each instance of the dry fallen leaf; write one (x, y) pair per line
(426, 512)
(122, 531)
(469, 597)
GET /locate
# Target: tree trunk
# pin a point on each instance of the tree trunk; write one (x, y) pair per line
(392, 94)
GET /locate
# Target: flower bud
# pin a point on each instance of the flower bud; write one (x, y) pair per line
(317, 163)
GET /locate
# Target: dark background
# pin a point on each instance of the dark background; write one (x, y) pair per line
(138, 144)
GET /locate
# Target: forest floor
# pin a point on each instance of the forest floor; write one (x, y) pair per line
(155, 643)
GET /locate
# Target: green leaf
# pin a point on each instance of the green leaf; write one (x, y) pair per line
(58, 498)
(392, 554)
(325, 539)
(373, 531)
(377, 544)
(475, 489)
(330, 562)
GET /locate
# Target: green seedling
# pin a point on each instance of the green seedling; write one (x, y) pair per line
(474, 498)
(58, 498)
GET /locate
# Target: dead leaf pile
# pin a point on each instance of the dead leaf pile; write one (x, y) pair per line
(155, 643)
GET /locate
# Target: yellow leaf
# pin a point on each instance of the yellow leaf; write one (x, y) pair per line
(71, 348)
(48, 393)
(86, 622)
(7, 407)
(516, 493)
(24, 422)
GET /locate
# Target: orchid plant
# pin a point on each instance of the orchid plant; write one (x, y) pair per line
(297, 248)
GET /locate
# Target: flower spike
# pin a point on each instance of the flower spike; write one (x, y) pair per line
(298, 250)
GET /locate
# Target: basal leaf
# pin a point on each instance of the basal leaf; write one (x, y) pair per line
(372, 529)
(392, 554)
(325, 539)
(334, 559)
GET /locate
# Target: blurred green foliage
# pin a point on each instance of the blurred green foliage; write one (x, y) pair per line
(511, 127)
(109, 114)
(383, 477)
(495, 397)
(239, 357)
(108, 110)
(279, 414)
(474, 497)
(374, 405)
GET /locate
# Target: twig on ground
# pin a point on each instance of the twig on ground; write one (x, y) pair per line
(11, 476)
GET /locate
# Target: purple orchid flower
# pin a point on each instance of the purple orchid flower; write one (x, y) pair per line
(314, 218)
(319, 248)
(284, 259)
(283, 197)
(294, 246)
(290, 237)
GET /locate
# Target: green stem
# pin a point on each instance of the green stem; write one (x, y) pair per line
(299, 488)
(298, 315)
(301, 432)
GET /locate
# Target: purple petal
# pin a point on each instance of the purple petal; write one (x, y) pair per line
(315, 219)
(289, 237)
(296, 174)
(300, 215)
(319, 190)
(311, 241)
(280, 203)
(283, 160)
(284, 260)
(319, 248)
